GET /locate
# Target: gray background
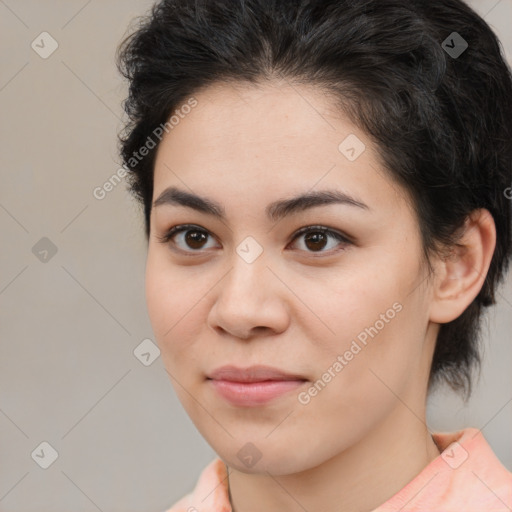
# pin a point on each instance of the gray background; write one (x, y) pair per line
(69, 326)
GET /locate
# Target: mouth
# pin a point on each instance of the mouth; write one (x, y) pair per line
(253, 386)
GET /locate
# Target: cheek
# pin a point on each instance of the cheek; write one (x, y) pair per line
(173, 304)
(357, 307)
(376, 326)
(380, 359)
(356, 392)
(159, 296)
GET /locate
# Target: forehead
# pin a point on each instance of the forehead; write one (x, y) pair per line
(270, 114)
(272, 140)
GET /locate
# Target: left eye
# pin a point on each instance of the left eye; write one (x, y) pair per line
(315, 237)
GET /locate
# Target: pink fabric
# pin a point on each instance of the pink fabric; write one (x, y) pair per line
(466, 477)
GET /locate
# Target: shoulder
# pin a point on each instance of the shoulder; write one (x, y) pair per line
(466, 475)
(476, 473)
(210, 493)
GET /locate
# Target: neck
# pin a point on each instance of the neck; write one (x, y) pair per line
(358, 479)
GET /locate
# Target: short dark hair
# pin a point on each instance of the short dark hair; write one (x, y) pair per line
(442, 122)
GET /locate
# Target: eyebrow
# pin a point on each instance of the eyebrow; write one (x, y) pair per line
(274, 211)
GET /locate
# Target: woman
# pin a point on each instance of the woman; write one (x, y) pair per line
(326, 191)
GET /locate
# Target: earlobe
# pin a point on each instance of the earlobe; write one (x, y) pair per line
(461, 275)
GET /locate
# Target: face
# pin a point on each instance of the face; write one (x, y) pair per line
(341, 308)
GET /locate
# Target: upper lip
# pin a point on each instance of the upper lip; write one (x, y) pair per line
(257, 373)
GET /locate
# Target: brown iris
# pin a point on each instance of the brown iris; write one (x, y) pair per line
(316, 237)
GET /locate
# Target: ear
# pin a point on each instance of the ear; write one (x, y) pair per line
(461, 275)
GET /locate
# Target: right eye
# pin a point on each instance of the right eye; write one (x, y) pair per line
(188, 235)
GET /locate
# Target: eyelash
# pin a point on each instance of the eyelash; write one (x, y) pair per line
(175, 230)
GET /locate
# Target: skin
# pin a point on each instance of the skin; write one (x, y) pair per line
(364, 436)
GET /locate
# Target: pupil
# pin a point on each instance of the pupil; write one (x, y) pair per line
(192, 240)
(316, 237)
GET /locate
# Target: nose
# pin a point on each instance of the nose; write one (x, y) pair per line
(250, 301)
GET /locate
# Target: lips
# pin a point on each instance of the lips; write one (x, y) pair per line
(257, 373)
(253, 386)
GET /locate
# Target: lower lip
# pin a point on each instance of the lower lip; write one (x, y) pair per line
(247, 394)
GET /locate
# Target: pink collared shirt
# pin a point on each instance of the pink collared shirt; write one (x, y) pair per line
(466, 477)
